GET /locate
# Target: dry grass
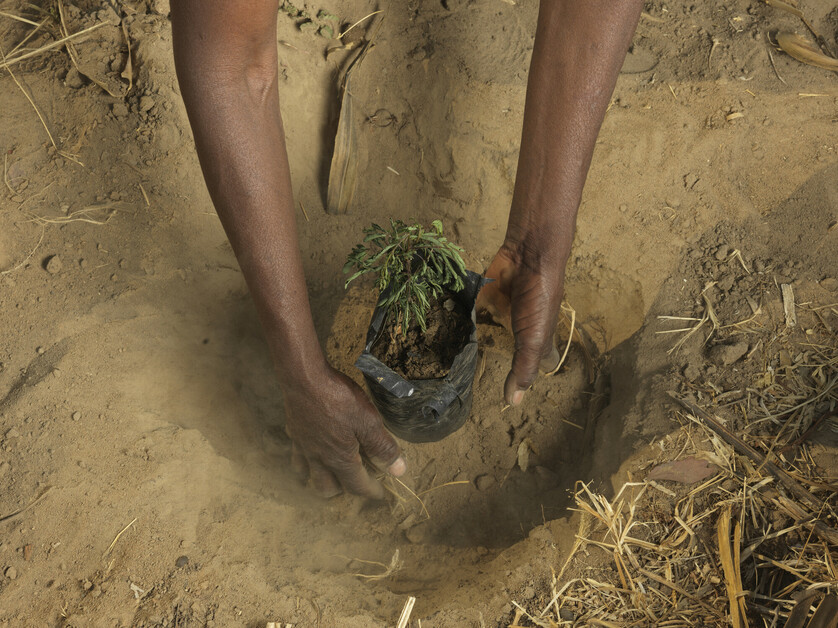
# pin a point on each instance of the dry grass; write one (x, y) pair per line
(754, 545)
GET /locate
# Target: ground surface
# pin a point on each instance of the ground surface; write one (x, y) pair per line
(134, 384)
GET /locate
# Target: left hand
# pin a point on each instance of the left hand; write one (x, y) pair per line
(526, 301)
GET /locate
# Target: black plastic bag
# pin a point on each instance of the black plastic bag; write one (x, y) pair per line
(424, 410)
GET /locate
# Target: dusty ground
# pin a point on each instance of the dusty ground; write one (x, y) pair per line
(135, 388)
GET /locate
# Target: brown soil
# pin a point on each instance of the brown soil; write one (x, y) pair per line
(428, 354)
(134, 380)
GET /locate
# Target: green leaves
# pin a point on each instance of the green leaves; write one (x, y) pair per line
(412, 265)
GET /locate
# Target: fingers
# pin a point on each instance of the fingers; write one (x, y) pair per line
(355, 479)
(521, 376)
(381, 448)
(525, 365)
(323, 480)
(299, 462)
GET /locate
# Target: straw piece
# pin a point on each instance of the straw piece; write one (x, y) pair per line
(117, 537)
(788, 305)
(404, 618)
(57, 43)
(18, 18)
(74, 55)
(726, 557)
(20, 511)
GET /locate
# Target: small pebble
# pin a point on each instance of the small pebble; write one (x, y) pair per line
(53, 265)
(725, 355)
(11, 573)
(146, 103)
(73, 79)
(119, 110)
(721, 252)
(40, 351)
(181, 562)
(76, 415)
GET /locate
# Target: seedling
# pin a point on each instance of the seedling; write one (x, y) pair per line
(412, 266)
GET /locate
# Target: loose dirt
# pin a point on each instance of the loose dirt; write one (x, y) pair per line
(137, 397)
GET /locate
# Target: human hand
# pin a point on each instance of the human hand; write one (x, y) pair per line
(331, 424)
(526, 300)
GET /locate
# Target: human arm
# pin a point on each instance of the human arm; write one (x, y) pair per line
(579, 49)
(226, 61)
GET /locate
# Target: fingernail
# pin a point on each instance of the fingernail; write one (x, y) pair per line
(398, 467)
(517, 397)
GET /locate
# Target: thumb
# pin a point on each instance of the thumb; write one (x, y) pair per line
(381, 448)
(526, 362)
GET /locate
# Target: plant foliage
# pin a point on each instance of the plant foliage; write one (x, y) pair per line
(412, 267)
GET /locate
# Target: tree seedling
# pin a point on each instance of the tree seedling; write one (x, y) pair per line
(412, 266)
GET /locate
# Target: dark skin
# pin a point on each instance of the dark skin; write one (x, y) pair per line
(226, 60)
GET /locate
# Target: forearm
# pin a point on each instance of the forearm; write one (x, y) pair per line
(579, 49)
(227, 74)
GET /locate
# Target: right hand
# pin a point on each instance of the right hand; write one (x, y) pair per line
(527, 302)
(330, 425)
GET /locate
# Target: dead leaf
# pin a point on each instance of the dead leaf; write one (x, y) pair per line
(685, 471)
(805, 51)
(343, 174)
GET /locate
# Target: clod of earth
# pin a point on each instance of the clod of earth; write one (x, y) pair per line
(727, 354)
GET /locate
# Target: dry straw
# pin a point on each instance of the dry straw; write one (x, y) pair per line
(755, 544)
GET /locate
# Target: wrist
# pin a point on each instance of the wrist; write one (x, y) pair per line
(542, 248)
(300, 367)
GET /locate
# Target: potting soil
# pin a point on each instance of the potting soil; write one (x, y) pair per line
(425, 354)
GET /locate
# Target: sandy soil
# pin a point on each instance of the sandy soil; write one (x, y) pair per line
(136, 393)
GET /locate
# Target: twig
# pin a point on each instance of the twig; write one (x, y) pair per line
(28, 37)
(569, 339)
(808, 432)
(57, 43)
(6, 174)
(116, 538)
(677, 589)
(16, 513)
(712, 48)
(357, 23)
(29, 98)
(31, 253)
(771, 58)
(18, 18)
